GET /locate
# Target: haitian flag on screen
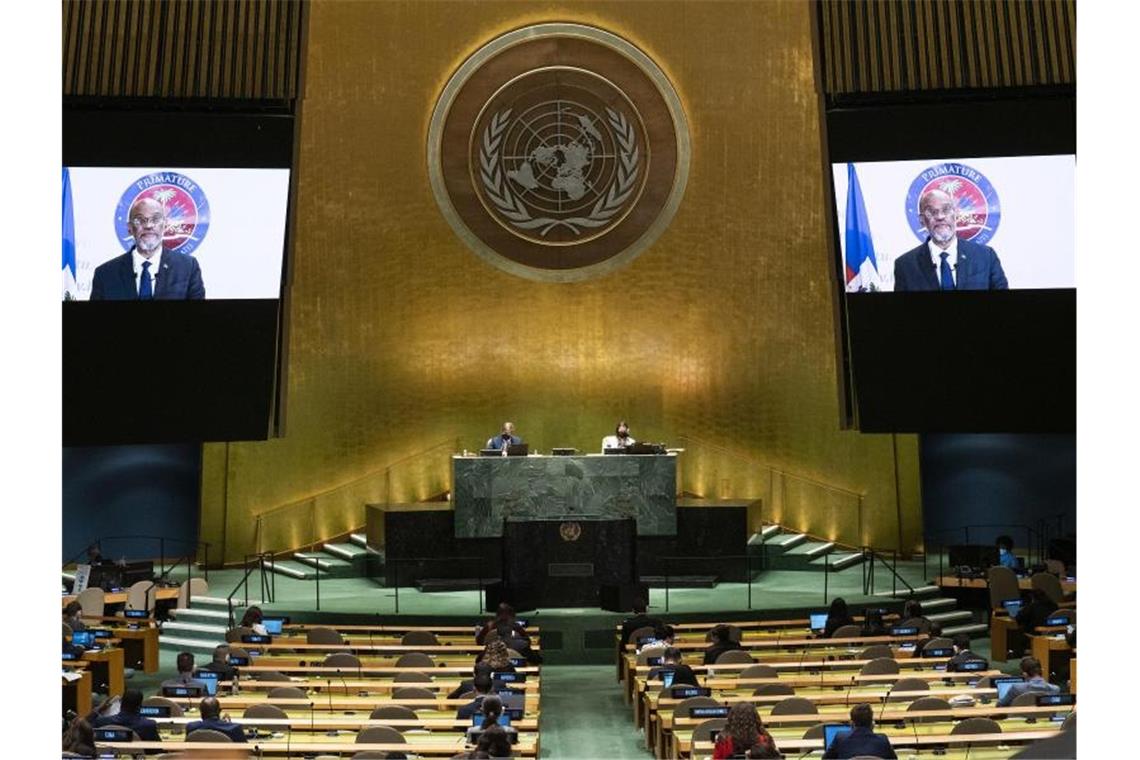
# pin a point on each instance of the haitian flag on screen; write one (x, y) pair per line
(70, 289)
(862, 267)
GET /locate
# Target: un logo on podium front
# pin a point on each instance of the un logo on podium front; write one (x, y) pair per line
(570, 531)
(558, 152)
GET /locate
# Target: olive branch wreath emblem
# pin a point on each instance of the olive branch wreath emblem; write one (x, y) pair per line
(511, 205)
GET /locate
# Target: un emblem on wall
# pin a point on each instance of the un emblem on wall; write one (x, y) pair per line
(558, 152)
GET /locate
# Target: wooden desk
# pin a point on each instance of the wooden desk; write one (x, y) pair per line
(443, 746)
(120, 597)
(1002, 630)
(106, 666)
(140, 647)
(947, 739)
(1050, 650)
(77, 693)
(953, 581)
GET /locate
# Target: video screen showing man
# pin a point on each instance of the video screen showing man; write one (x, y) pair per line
(944, 262)
(147, 272)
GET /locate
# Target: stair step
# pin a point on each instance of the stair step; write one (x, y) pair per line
(840, 561)
(176, 627)
(346, 552)
(944, 604)
(213, 601)
(325, 561)
(204, 614)
(190, 645)
(359, 539)
(955, 616)
(768, 531)
(920, 592)
(972, 629)
(788, 540)
(293, 569)
(812, 549)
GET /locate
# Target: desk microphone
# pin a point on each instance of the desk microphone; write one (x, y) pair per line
(886, 699)
(850, 686)
(313, 714)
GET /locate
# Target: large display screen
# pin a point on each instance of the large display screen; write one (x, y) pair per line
(202, 233)
(956, 223)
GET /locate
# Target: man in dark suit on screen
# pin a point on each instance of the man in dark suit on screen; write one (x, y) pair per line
(944, 262)
(147, 272)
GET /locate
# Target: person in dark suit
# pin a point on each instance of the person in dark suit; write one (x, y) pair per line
(505, 438)
(862, 741)
(211, 712)
(221, 663)
(671, 662)
(128, 717)
(639, 620)
(147, 271)
(482, 684)
(873, 624)
(1033, 615)
(721, 642)
(465, 687)
(944, 262)
(962, 652)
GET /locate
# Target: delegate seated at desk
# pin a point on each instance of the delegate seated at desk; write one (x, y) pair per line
(620, 439)
(505, 438)
(1033, 683)
(211, 711)
(129, 717)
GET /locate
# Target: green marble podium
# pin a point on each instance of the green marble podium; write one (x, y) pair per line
(487, 490)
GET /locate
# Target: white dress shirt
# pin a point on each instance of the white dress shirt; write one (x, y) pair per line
(952, 259)
(613, 442)
(137, 260)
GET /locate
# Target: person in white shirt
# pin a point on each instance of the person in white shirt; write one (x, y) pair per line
(620, 439)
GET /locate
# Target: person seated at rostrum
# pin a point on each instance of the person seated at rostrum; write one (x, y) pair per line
(639, 620)
(71, 616)
(862, 741)
(873, 623)
(507, 628)
(210, 710)
(505, 438)
(671, 662)
(221, 663)
(620, 439)
(482, 686)
(720, 642)
(744, 735)
(185, 677)
(1033, 615)
(837, 617)
(1006, 557)
(468, 685)
(490, 710)
(962, 652)
(1033, 682)
(128, 717)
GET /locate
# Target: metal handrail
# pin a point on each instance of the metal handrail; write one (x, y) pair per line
(395, 562)
(893, 567)
(668, 560)
(161, 539)
(245, 582)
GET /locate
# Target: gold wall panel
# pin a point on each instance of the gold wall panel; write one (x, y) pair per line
(901, 45)
(721, 332)
(248, 49)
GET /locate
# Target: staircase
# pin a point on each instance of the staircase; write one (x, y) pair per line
(790, 550)
(198, 628)
(336, 559)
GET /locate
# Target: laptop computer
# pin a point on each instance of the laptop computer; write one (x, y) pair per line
(504, 719)
(1012, 606)
(518, 449)
(82, 638)
(667, 678)
(1003, 685)
(274, 625)
(210, 678)
(818, 621)
(490, 452)
(614, 450)
(832, 731)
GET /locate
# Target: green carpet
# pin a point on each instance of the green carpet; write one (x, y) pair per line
(584, 716)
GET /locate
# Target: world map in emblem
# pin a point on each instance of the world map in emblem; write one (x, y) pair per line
(558, 152)
(976, 207)
(186, 208)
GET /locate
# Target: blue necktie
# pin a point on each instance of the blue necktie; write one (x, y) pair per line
(947, 277)
(146, 293)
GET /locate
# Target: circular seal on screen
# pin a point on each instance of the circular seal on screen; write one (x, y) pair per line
(975, 199)
(558, 152)
(570, 531)
(186, 208)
